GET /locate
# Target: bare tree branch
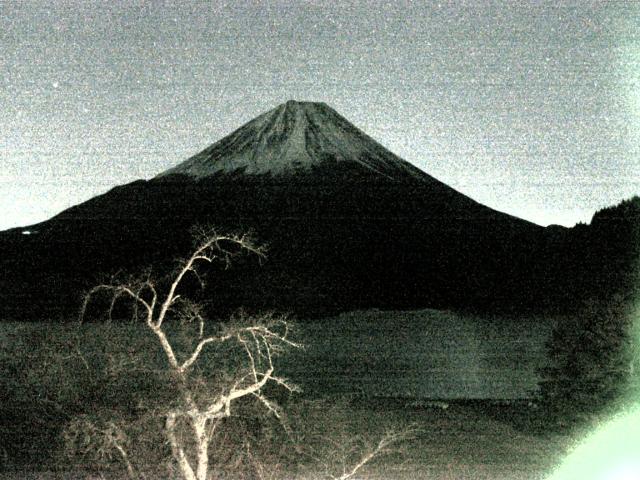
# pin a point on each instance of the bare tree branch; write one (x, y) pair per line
(196, 353)
(383, 447)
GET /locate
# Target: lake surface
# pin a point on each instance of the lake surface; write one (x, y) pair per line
(420, 354)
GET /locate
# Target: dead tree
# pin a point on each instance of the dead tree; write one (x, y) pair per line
(189, 425)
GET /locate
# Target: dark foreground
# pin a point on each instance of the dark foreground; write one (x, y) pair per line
(462, 440)
(45, 382)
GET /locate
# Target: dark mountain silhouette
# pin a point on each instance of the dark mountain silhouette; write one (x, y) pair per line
(348, 224)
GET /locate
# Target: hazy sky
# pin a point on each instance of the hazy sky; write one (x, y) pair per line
(532, 108)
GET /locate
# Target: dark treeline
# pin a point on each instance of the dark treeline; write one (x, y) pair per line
(595, 262)
(350, 241)
(593, 352)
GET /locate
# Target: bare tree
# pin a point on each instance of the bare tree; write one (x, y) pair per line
(191, 419)
(193, 411)
(330, 434)
(349, 459)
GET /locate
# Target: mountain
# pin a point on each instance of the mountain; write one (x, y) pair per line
(348, 225)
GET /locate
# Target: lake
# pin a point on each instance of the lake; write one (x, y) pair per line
(426, 354)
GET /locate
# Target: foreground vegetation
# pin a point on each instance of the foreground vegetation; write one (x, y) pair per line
(55, 376)
(60, 377)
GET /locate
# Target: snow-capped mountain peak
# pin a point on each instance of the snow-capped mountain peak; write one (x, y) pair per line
(294, 137)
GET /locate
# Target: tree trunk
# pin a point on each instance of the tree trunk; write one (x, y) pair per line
(200, 430)
(177, 450)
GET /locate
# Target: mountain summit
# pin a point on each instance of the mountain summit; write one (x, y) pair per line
(293, 138)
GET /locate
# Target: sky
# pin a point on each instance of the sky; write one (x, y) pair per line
(532, 108)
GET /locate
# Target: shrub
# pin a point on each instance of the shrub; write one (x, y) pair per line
(591, 357)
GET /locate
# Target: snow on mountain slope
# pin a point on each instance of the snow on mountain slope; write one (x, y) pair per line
(293, 138)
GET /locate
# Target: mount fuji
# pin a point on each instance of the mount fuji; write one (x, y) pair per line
(348, 225)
